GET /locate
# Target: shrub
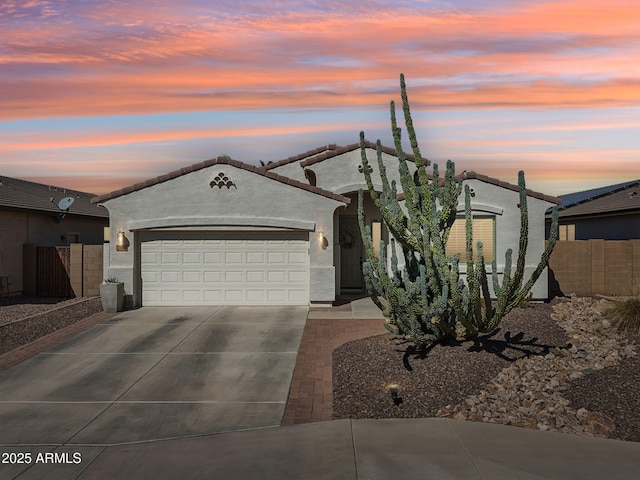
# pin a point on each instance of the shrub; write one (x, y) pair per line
(625, 315)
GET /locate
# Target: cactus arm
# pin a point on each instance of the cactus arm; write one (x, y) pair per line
(426, 299)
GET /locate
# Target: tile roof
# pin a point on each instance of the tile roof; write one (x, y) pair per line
(470, 174)
(621, 197)
(220, 161)
(331, 150)
(24, 195)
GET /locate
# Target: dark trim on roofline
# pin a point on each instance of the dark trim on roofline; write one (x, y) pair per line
(620, 187)
(471, 175)
(593, 215)
(223, 160)
(331, 150)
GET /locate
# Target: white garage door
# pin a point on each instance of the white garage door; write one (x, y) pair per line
(225, 269)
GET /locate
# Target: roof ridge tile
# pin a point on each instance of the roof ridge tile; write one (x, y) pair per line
(218, 161)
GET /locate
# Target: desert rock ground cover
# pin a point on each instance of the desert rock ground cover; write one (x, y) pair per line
(558, 366)
(25, 319)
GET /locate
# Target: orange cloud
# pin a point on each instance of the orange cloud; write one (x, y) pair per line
(115, 138)
(95, 184)
(164, 61)
(77, 59)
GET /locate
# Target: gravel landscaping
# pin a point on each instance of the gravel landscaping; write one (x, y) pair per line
(25, 319)
(558, 366)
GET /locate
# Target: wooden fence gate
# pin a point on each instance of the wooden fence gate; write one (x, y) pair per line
(53, 264)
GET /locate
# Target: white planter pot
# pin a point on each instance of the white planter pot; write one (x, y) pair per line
(112, 296)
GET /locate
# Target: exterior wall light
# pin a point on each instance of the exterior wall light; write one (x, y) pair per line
(122, 242)
(322, 240)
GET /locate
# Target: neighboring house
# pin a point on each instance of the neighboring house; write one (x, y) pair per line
(224, 232)
(40, 215)
(608, 213)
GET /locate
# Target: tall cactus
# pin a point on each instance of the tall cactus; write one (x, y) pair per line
(427, 300)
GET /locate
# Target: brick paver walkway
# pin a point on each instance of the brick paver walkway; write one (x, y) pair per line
(29, 350)
(311, 394)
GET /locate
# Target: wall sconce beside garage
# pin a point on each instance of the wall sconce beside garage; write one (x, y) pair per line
(322, 240)
(122, 242)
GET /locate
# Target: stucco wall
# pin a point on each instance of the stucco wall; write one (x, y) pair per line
(488, 197)
(502, 204)
(340, 174)
(189, 201)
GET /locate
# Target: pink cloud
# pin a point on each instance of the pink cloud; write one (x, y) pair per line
(16, 143)
(93, 183)
(153, 62)
(70, 59)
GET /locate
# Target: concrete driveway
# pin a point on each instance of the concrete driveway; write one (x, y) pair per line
(155, 373)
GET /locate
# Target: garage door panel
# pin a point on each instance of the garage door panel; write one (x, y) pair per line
(192, 277)
(150, 258)
(255, 276)
(233, 296)
(298, 258)
(192, 257)
(233, 257)
(231, 270)
(170, 258)
(212, 258)
(191, 296)
(276, 296)
(150, 277)
(298, 276)
(170, 277)
(276, 276)
(213, 277)
(170, 296)
(255, 296)
(276, 257)
(296, 296)
(256, 257)
(212, 297)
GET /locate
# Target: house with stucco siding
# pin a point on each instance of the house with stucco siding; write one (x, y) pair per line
(224, 232)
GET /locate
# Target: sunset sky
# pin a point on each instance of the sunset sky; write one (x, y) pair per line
(98, 94)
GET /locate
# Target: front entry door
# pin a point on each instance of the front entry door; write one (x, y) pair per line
(350, 253)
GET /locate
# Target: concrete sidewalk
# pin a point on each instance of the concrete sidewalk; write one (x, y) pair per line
(347, 449)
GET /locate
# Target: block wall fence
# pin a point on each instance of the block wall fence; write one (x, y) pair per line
(592, 267)
(85, 270)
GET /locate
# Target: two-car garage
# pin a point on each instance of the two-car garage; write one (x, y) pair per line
(224, 268)
(189, 238)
